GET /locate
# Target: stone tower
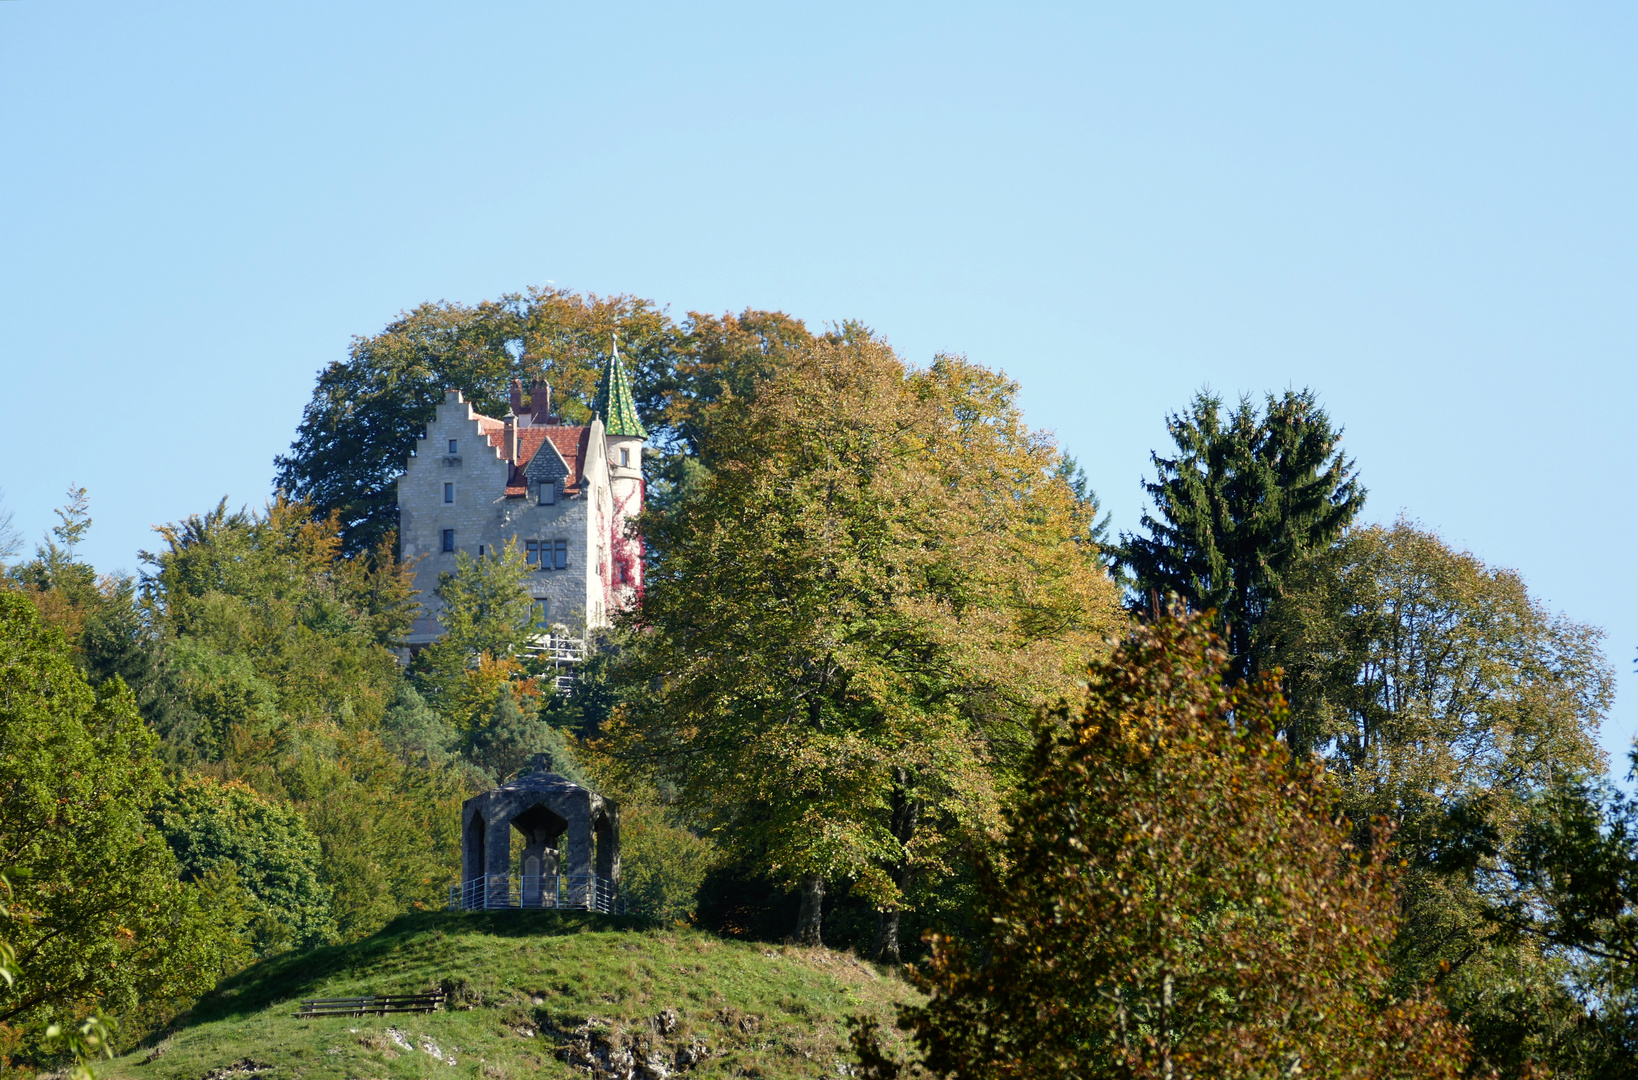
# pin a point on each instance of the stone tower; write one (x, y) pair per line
(624, 434)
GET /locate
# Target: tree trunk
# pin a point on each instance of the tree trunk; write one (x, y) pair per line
(809, 920)
(906, 813)
(885, 950)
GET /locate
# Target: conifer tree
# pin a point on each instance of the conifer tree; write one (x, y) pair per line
(1239, 504)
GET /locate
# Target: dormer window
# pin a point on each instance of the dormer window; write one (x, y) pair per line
(452, 445)
(548, 493)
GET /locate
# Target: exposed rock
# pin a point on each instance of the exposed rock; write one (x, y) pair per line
(241, 1068)
(617, 1055)
(436, 1052)
(655, 1065)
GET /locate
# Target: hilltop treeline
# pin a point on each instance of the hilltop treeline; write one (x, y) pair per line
(1255, 783)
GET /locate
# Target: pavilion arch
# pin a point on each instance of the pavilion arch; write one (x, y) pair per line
(572, 834)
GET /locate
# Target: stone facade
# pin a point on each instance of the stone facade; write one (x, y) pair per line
(565, 494)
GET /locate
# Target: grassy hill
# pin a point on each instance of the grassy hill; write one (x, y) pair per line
(615, 995)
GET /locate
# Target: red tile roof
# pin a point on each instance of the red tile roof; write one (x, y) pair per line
(571, 442)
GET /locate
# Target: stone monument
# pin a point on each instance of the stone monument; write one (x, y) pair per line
(571, 845)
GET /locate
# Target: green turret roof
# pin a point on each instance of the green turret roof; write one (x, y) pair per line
(614, 401)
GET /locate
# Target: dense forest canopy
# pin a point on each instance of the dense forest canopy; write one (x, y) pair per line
(1257, 782)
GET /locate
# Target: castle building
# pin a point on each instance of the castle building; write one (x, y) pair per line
(564, 493)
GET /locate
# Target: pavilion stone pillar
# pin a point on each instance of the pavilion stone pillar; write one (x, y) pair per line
(608, 844)
(498, 859)
(474, 841)
(579, 836)
(577, 858)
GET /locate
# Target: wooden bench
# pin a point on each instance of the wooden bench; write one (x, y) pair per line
(376, 1004)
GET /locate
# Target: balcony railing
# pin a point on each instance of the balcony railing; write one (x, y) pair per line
(571, 892)
(555, 647)
(565, 652)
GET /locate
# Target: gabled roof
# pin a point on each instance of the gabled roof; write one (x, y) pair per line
(615, 403)
(564, 443)
(546, 464)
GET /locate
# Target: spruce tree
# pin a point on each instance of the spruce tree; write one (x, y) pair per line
(1238, 506)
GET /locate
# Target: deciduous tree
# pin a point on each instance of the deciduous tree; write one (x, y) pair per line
(1174, 899)
(1449, 701)
(845, 631)
(108, 923)
(264, 844)
(286, 673)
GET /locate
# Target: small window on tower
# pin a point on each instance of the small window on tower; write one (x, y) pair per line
(625, 458)
(449, 493)
(452, 444)
(449, 539)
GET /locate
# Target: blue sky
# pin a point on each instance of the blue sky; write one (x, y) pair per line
(1425, 212)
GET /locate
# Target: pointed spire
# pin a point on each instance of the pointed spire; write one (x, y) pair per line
(615, 403)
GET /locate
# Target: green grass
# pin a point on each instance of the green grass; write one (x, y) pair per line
(524, 986)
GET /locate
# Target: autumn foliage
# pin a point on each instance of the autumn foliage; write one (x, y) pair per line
(1174, 899)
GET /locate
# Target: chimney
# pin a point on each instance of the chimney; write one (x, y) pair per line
(517, 397)
(509, 442)
(540, 402)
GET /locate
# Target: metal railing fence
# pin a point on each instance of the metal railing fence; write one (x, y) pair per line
(571, 892)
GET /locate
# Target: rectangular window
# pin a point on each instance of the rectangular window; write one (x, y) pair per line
(548, 493)
(541, 610)
(449, 493)
(449, 539)
(480, 551)
(560, 554)
(531, 552)
(452, 445)
(625, 457)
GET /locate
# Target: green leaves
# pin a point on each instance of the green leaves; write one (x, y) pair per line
(277, 645)
(265, 844)
(851, 616)
(107, 919)
(367, 414)
(1174, 900)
